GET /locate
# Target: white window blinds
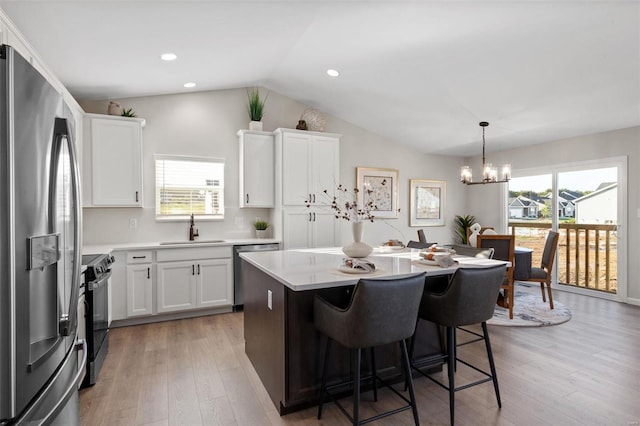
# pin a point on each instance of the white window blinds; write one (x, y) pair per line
(189, 185)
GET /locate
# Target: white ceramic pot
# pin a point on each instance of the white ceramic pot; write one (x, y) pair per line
(255, 125)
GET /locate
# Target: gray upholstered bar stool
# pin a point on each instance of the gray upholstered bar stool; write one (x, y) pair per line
(381, 311)
(469, 298)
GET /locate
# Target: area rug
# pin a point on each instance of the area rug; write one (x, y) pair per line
(530, 311)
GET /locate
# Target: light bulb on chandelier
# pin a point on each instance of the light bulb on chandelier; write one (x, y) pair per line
(489, 171)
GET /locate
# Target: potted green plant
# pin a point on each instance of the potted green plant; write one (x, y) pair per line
(128, 112)
(256, 109)
(261, 228)
(461, 223)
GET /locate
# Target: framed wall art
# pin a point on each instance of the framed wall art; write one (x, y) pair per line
(380, 187)
(427, 202)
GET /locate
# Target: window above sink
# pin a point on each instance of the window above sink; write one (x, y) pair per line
(189, 185)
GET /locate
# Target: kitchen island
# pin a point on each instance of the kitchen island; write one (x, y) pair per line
(280, 338)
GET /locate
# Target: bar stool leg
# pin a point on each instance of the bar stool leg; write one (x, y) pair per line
(356, 389)
(491, 363)
(409, 381)
(373, 374)
(451, 366)
(323, 385)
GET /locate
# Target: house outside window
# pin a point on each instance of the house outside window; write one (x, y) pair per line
(189, 185)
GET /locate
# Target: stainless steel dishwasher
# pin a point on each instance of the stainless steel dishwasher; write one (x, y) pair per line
(238, 291)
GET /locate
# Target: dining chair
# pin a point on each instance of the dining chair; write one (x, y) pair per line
(503, 249)
(543, 273)
(421, 237)
(419, 245)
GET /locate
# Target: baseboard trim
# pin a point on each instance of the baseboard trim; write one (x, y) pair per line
(170, 317)
(632, 301)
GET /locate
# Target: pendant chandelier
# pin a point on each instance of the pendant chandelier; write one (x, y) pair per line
(489, 172)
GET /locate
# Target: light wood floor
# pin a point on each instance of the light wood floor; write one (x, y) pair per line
(195, 372)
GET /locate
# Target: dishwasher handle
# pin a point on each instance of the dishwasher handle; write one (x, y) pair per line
(256, 247)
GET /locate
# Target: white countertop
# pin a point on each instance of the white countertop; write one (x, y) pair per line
(108, 248)
(310, 269)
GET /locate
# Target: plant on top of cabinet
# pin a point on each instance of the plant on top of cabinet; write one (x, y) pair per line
(128, 112)
(256, 108)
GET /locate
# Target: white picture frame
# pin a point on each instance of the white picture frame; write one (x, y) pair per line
(427, 201)
(379, 186)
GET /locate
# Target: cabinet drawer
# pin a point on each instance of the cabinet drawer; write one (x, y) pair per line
(193, 253)
(143, 256)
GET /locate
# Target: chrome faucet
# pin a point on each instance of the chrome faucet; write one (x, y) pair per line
(193, 231)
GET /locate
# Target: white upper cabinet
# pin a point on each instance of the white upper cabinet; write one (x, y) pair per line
(310, 164)
(112, 161)
(257, 169)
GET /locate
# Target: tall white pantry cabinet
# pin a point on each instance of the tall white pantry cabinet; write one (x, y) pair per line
(307, 163)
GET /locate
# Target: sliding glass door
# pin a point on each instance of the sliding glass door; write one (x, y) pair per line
(586, 203)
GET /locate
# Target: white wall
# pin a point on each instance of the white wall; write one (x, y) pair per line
(205, 123)
(616, 143)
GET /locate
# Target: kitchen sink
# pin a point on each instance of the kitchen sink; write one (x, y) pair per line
(166, 243)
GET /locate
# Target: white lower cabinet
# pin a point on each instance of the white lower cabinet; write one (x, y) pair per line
(176, 289)
(214, 283)
(139, 290)
(203, 280)
(171, 280)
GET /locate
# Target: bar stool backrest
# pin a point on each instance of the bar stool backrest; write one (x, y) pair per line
(469, 299)
(381, 311)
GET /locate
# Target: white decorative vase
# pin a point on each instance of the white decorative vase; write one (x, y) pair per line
(357, 248)
(114, 108)
(255, 125)
(315, 120)
(261, 233)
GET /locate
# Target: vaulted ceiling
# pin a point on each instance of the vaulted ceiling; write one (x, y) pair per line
(422, 73)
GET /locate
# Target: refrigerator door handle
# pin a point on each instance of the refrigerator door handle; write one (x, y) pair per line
(68, 320)
(73, 387)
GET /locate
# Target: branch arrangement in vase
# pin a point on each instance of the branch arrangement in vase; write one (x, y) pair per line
(344, 204)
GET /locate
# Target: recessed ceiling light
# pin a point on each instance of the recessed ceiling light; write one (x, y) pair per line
(189, 85)
(168, 57)
(333, 73)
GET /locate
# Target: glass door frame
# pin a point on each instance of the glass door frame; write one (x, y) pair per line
(620, 163)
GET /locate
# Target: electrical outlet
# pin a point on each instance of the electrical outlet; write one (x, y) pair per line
(133, 223)
(269, 299)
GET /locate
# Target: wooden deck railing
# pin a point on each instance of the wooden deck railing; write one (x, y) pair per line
(587, 253)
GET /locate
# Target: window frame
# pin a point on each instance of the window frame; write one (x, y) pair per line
(186, 217)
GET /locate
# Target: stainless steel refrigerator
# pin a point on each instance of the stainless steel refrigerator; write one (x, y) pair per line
(40, 223)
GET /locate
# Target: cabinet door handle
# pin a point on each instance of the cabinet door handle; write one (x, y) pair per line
(314, 198)
(310, 198)
(198, 269)
(139, 257)
(148, 273)
(137, 197)
(309, 217)
(247, 198)
(193, 269)
(314, 217)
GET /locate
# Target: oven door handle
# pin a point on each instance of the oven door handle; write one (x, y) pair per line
(99, 282)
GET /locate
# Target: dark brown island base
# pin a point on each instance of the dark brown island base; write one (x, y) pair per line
(280, 338)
